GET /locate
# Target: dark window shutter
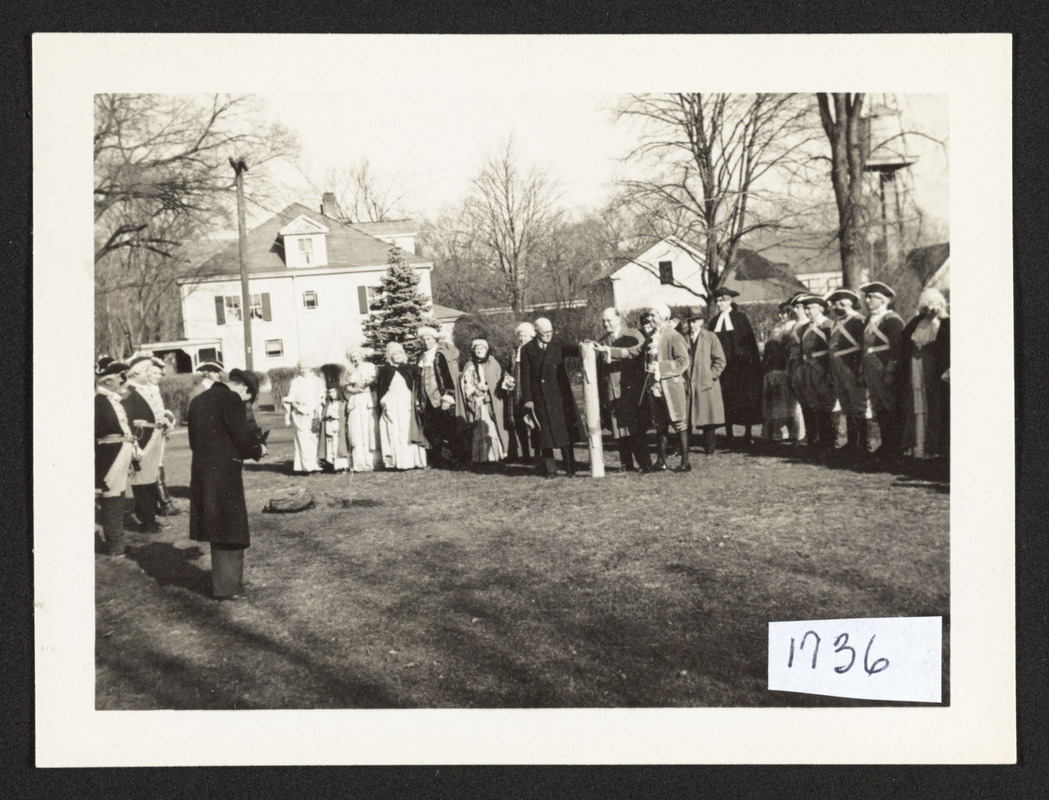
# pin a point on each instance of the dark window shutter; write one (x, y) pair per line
(362, 297)
(266, 313)
(220, 310)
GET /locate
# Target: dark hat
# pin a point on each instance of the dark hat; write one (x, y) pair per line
(158, 362)
(797, 298)
(786, 305)
(209, 366)
(249, 379)
(809, 299)
(138, 359)
(724, 291)
(843, 294)
(106, 366)
(879, 287)
(692, 313)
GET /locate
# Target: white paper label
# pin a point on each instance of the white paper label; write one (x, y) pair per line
(889, 658)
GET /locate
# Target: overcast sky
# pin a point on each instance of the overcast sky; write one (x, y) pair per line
(431, 144)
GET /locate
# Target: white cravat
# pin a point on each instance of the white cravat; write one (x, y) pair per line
(724, 322)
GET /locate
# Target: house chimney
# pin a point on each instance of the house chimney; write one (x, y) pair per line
(329, 206)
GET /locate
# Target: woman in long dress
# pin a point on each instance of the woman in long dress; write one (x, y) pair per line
(362, 424)
(927, 360)
(484, 392)
(400, 426)
(303, 405)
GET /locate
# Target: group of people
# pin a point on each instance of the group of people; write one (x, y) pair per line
(131, 430)
(861, 367)
(674, 376)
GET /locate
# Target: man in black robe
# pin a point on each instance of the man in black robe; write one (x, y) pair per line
(220, 438)
(547, 391)
(742, 382)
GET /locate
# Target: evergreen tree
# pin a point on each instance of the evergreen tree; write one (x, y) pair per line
(397, 310)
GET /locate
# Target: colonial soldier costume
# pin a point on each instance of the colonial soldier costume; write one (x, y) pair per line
(114, 451)
(882, 350)
(220, 440)
(619, 387)
(741, 382)
(665, 355)
(436, 396)
(794, 359)
(846, 354)
(547, 391)
(146, 414)
(707, 362)
(817, 386)
(211, 372)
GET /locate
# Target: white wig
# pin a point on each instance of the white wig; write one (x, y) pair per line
(426, 330)
(932, 298)
(526, 327)
(661, 310)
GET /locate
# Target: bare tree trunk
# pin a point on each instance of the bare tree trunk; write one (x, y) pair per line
(844, 132)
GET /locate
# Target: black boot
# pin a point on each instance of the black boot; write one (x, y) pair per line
(684, 466)
(644, 462)
(661, 452)
(626, 453)
(568, 456)
(861, 436)
(112, 513)
(808, 414)
(165, 505)
(710, 440)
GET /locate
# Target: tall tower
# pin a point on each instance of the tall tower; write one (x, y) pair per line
(887, 158)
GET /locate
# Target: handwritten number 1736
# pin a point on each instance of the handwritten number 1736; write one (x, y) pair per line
(841, 645)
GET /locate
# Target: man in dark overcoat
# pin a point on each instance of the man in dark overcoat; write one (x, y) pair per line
(619, 384)
(742, 382)
(221, 439)
(547, 391)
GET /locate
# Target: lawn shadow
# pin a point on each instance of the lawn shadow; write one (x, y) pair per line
(181, 492)
(172, 566)
(280, 467)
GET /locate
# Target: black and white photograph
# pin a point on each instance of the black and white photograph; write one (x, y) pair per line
(563, 416)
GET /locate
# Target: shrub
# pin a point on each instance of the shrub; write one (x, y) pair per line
(176, 391)
(280, 381)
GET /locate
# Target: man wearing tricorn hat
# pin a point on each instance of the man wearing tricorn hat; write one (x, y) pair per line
(817, 387)
(148, 423)
(220, 439)
(846, 345)
(882, 346)
(741, 382)
(114, 450)
(706, 408)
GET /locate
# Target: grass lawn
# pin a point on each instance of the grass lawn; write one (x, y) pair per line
(449, 589)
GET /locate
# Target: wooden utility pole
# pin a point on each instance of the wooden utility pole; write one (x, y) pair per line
(239, 168)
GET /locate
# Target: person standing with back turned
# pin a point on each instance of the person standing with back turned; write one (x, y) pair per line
(220, 440)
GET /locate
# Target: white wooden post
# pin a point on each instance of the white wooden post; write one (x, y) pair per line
(592, 410)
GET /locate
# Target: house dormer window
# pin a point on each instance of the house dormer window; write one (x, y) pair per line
(305, 243)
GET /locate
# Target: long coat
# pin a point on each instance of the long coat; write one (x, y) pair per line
(110, 439)
(220, 439)
(931, 361)
(708, 362)
(882, 351)
(619, 384)
(672, 355)
(412, 377)
(846, 346)
(494, 396)
(544, 382)
(742, 382)
(817, 386)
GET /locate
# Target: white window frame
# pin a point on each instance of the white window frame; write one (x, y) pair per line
(316, 300)
(306, 249)
(280, 346)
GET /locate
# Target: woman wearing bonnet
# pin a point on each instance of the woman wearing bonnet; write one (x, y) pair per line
(483, 391)
(927, 357)
(361, 422)
(302, 406)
